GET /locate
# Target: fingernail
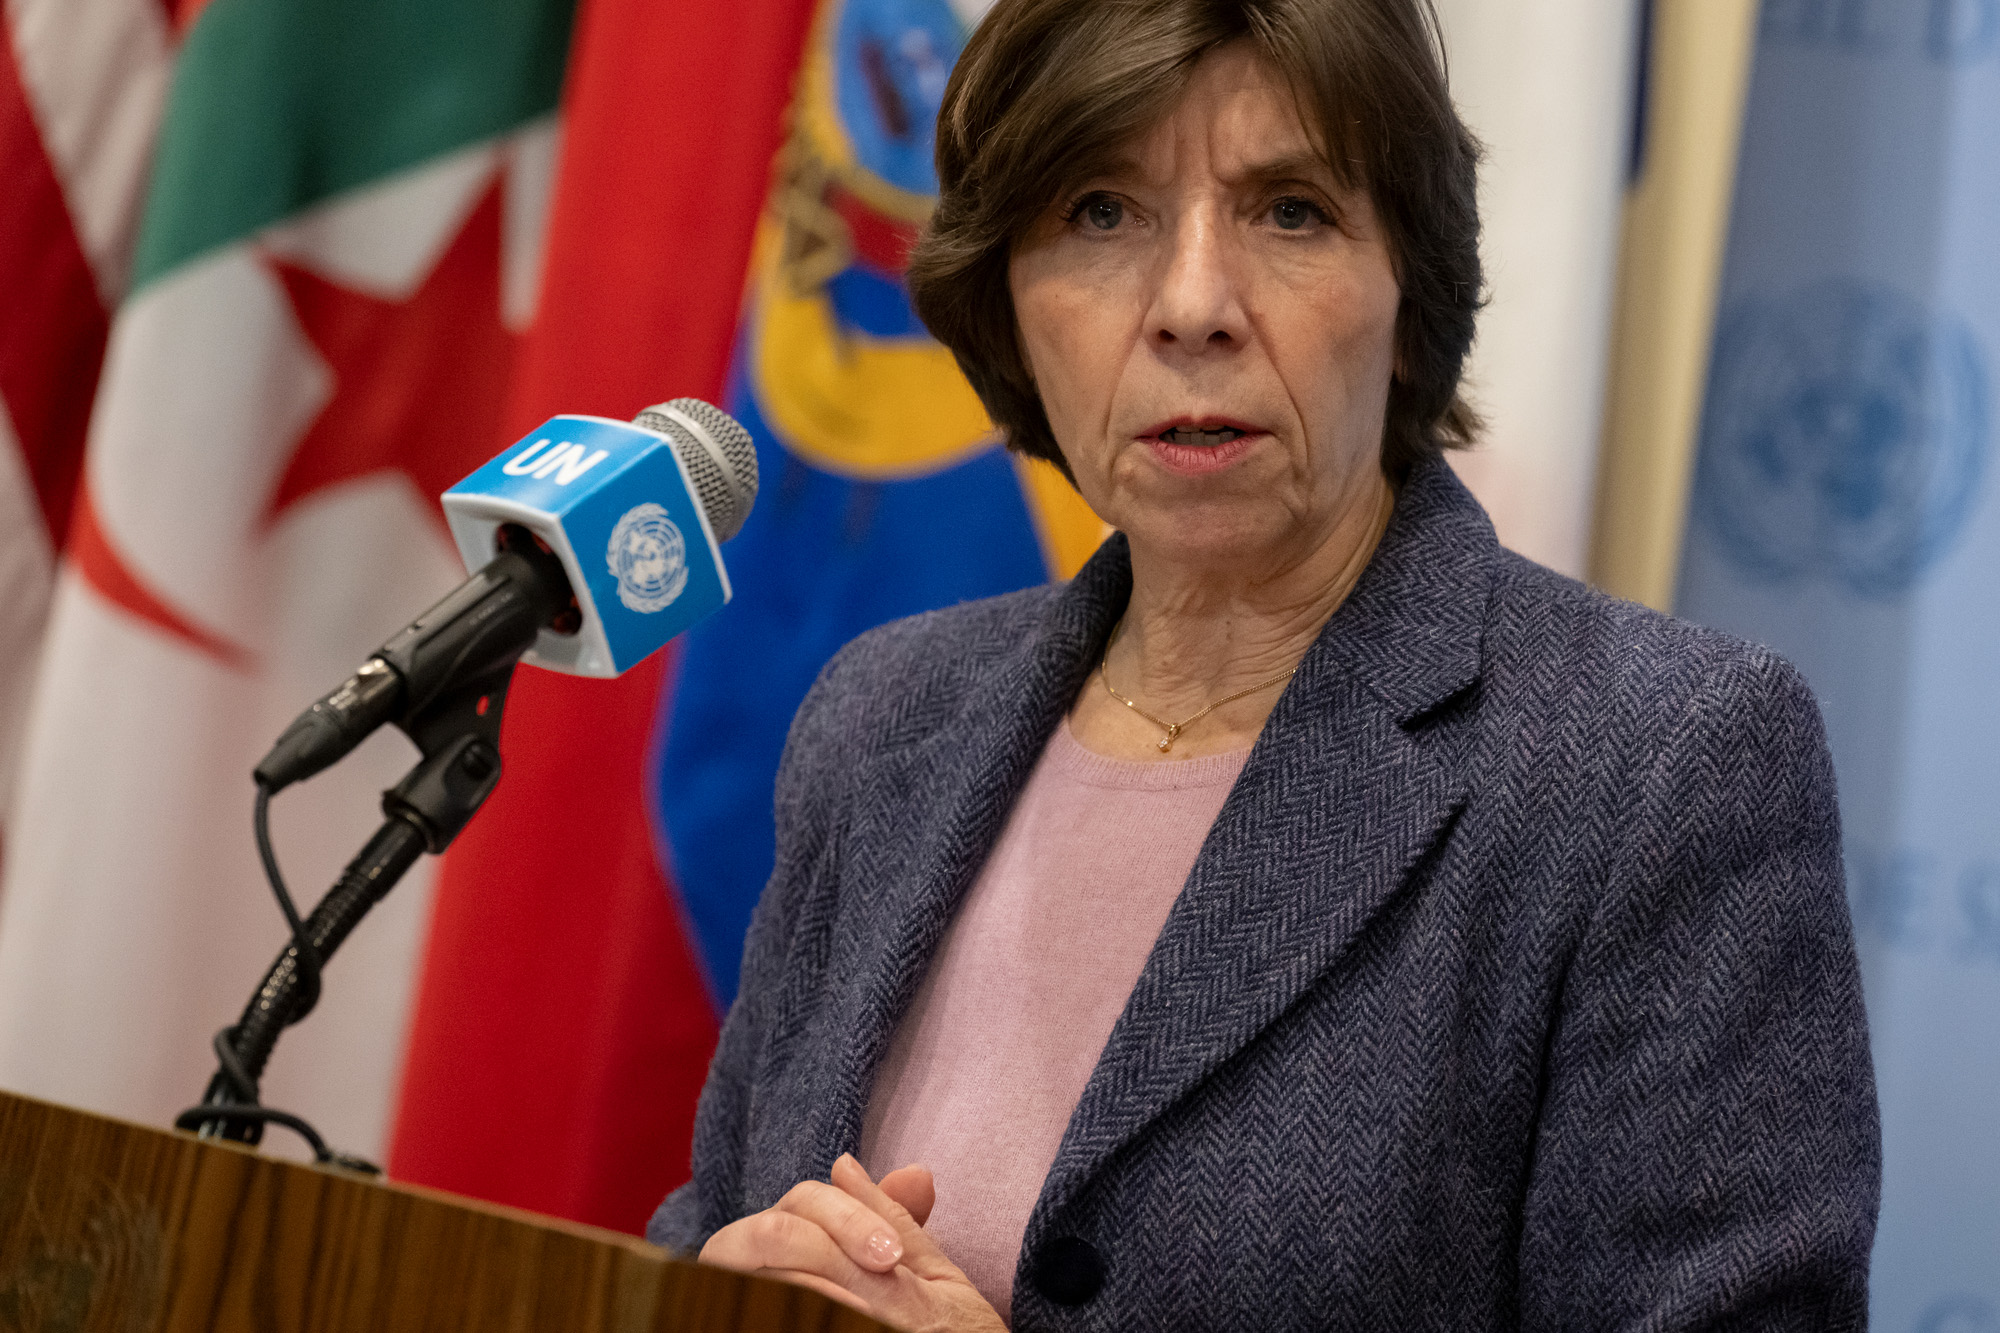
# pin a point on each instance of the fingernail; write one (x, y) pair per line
(884, 1248)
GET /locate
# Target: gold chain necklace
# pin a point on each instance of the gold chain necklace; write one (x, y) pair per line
(1174, 729)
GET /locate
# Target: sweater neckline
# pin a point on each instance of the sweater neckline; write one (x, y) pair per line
(1069, 757)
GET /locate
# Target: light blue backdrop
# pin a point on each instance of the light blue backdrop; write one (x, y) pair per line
(1847, 512)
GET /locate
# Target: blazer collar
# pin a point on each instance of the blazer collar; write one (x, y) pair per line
(1412, 629)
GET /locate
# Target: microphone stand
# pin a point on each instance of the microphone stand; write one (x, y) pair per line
(459, 736)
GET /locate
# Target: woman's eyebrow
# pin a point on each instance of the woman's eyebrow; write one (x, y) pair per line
(1289, 166)
(1307, 167)
(1118, 169)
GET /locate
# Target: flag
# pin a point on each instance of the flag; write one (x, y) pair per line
(81, 88)
(1846, 511)
(338, 246)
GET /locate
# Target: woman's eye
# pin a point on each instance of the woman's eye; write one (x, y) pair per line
(1102, 212)
(1293, 214)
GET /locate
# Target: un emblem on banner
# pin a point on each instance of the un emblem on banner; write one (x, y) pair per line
(1844, 437)
(648, 557)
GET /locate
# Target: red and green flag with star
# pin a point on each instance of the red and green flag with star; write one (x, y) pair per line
(337, 260)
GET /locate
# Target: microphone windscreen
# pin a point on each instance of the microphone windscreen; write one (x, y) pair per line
(718, 453)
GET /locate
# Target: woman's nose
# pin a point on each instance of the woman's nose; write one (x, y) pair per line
(1199, 306)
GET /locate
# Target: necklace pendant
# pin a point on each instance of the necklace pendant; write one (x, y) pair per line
(1167, 741)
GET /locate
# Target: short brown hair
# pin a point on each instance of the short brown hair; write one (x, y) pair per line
(1047, 90)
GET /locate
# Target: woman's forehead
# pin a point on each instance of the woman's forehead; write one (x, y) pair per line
(1236, 119)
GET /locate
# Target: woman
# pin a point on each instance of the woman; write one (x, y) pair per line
(1312, 915)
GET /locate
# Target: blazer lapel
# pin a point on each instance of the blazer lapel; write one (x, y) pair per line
(953, 792)
(1357, 773)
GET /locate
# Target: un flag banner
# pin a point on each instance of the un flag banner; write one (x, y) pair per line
(1846, 512)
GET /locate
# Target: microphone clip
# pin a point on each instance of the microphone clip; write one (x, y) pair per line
(459, 735)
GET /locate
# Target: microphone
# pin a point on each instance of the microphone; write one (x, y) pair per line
(594, 543)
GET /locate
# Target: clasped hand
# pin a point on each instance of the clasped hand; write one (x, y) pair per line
(864, 1245)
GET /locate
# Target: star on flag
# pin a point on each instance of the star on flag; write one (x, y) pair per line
(419, 389)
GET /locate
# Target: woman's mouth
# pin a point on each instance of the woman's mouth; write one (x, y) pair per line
(1207, 439)
(1195, 448)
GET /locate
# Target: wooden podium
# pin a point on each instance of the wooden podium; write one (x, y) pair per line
(112, 1226)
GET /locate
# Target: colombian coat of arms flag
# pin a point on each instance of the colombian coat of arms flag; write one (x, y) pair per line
(370, 243)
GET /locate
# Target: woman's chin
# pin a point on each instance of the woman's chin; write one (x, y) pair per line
(1214, 535)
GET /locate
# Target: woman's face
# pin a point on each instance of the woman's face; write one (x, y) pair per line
(1211, 326)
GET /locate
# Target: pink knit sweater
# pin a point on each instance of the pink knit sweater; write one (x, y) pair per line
(1023, 992)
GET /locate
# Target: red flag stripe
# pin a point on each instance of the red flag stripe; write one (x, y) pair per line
(656, 201)
(562, 1027)
(95, 73)
(52, 339)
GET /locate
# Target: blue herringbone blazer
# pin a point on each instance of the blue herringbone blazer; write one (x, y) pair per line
(1514, 986)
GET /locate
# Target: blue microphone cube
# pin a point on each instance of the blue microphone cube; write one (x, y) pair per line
(614, 501)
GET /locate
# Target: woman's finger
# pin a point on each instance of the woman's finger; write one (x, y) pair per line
(775, 1239)
(914, 1187)
(921, 1254)
(868, 1237)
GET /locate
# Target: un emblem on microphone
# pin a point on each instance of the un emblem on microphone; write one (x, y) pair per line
(1844, 436)
(648, 557)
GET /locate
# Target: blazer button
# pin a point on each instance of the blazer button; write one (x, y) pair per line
(1068, 1271)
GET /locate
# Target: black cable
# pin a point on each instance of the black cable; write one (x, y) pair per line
(241, 1086)
(199, 1118)
(237, 1102)
(308, 957)
(243, 1109)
